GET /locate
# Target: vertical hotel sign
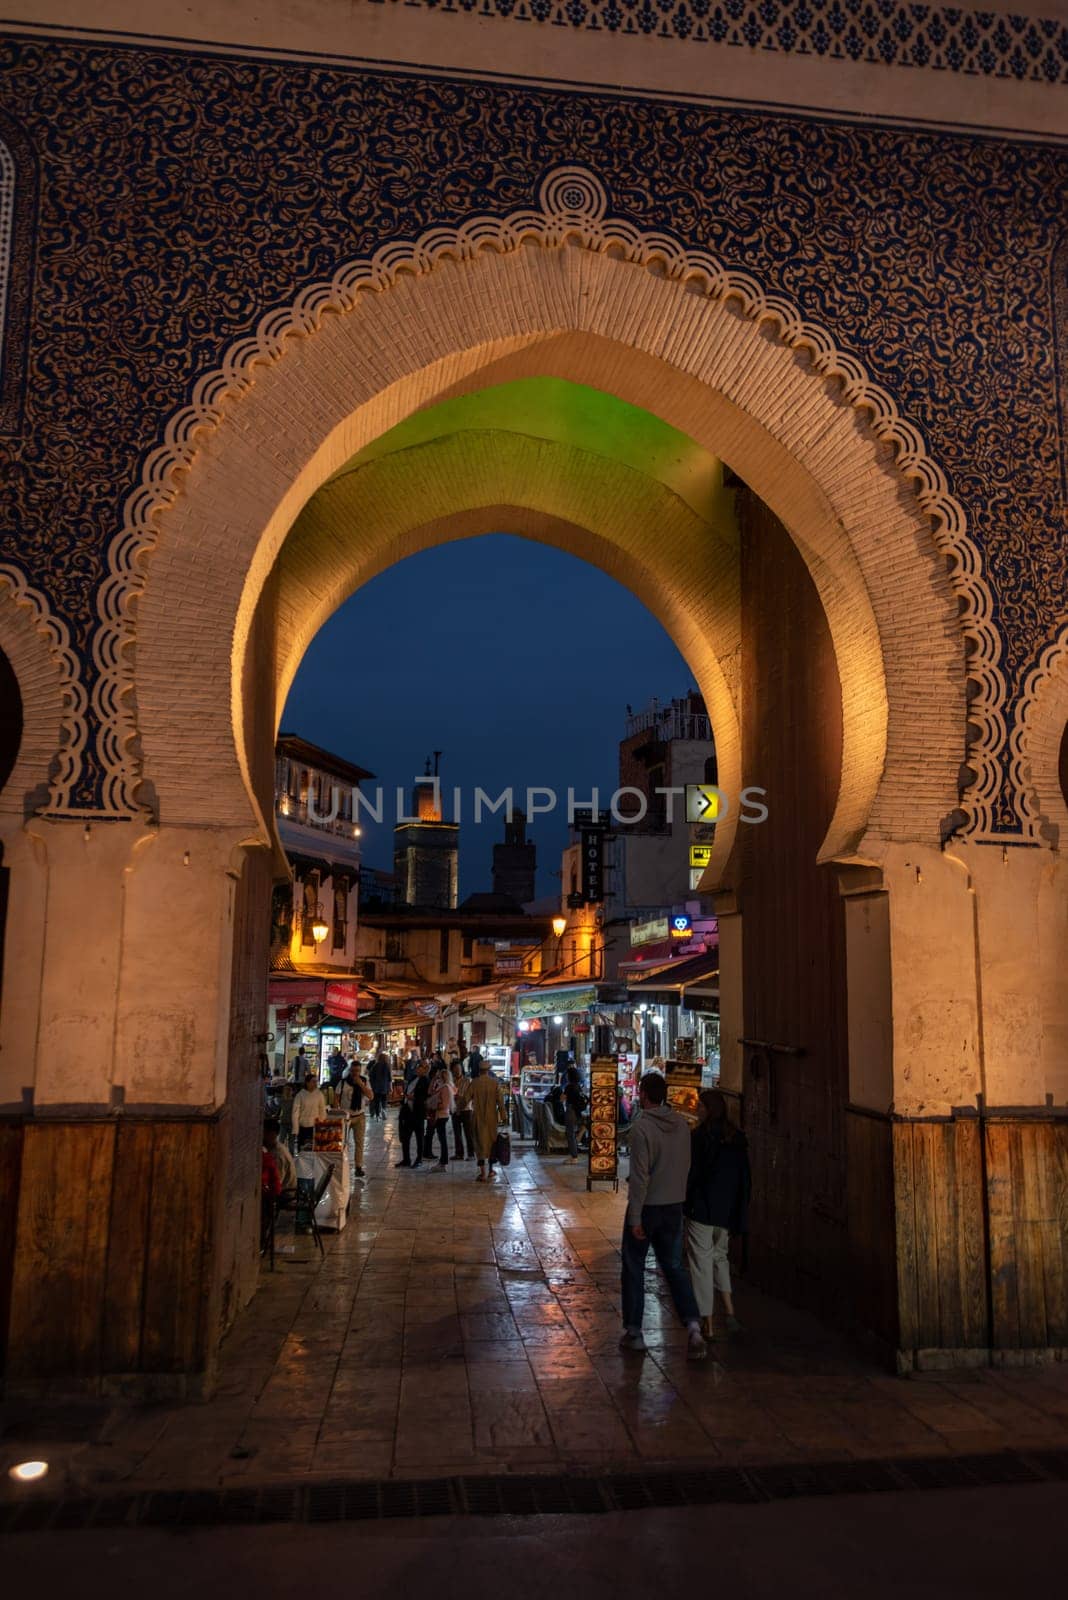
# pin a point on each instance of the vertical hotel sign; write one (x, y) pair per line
(604, 1102)
(592, 846)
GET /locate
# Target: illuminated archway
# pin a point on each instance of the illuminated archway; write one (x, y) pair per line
(697, 364)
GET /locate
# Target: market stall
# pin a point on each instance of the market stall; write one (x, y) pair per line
(332, 1142)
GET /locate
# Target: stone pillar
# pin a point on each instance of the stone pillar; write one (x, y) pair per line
(116, 1063)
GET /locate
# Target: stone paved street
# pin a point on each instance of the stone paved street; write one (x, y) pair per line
(463, 1328)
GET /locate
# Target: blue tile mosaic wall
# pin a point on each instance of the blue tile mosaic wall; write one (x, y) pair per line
(177, 196)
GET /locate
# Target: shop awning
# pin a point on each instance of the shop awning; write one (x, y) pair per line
(673, 985)
(634, 971)
(488, 994)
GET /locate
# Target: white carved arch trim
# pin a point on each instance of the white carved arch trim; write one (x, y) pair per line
(53, 699)
(1036, 744)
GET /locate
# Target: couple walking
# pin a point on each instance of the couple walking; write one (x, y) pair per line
(681, 1184)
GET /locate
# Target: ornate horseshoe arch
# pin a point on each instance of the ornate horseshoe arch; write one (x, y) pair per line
(572, 211)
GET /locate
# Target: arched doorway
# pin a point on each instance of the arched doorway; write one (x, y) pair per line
(490, 388)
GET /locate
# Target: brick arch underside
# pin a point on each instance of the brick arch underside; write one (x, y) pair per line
(698, 364)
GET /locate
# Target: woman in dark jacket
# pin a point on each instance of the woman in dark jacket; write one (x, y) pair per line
(574, 1107)
(717, 1205)
(381, 1079)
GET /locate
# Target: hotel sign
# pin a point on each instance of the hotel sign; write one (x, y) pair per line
(592, 847)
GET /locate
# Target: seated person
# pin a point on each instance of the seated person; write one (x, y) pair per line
(270, 1182)
(286, 1167)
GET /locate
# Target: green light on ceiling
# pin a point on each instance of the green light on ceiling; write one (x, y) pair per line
(571, 414)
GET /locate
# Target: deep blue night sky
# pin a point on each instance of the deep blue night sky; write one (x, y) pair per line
(516, 660)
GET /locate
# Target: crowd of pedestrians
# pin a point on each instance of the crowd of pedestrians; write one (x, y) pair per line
(462, 1096)
(688, 1191)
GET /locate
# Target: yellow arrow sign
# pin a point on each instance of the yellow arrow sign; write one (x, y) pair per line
(702, 802)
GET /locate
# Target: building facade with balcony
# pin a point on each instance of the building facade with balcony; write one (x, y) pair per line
(315, 814)
(315, 912)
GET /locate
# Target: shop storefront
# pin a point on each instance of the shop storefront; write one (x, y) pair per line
(318, 1015)
(677, 1007)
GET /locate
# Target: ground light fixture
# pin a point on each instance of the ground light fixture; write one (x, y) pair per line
(28, 1471)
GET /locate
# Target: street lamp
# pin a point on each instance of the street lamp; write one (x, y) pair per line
(319, 926)
(559, 926)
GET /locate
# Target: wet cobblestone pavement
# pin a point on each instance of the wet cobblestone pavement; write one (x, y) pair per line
(459, 1328)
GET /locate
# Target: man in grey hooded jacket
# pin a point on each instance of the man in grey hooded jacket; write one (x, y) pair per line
(659, 1167)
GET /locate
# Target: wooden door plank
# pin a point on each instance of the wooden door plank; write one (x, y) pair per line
(971, 1240)
(1004, 1300)
(947, 1235)
(176, 1286)
(925, 1138)
(131, 1207)
(1053, 1181)
(905, 1222)
(10, 1178)
(1025, 1138)
(61, 1249)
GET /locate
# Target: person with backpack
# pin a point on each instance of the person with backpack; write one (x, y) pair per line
(659, 1166)
(717, 1205)
(574, 1108)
